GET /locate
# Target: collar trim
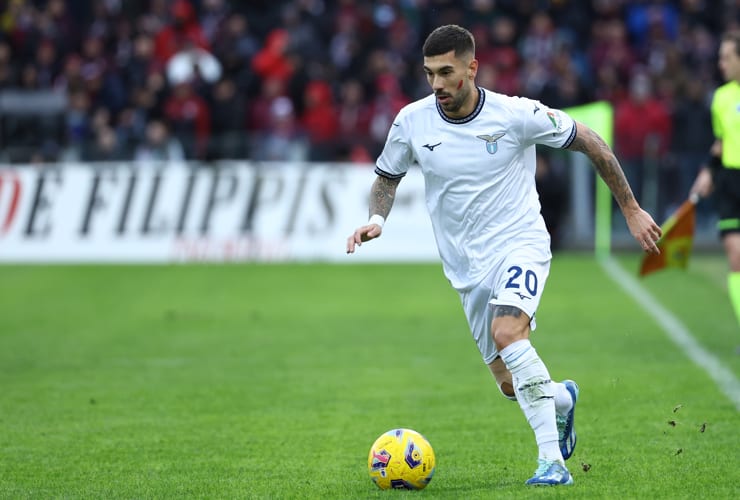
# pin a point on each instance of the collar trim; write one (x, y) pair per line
(464, 119)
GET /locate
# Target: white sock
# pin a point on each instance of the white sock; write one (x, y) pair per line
(563, 399)
(535, 393)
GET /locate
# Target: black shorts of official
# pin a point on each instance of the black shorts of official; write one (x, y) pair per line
(727, 191)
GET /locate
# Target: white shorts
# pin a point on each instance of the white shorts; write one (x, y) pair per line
(518, 280)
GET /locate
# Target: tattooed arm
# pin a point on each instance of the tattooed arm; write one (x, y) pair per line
(641, 224)
(382, 195)
(592, 145)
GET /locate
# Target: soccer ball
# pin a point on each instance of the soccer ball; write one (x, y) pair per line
(401, 459)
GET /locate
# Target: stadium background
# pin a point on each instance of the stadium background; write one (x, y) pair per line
(318, 82)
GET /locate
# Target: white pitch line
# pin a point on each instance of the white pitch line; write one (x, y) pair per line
(676, 331)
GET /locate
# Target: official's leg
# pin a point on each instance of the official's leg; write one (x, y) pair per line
(727, 194)
(731, 242)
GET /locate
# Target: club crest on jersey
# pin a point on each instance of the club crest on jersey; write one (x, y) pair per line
(491, 144)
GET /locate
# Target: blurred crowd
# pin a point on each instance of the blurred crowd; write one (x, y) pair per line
(321, 80)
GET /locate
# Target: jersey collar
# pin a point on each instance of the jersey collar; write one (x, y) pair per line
(464, 119)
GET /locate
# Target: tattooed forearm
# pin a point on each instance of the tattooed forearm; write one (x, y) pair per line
(382, 194)
(592, 145)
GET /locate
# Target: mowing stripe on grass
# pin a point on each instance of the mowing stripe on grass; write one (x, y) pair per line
(676, 331)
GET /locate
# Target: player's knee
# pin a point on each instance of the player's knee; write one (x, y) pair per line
(509, 325)
(734, 262)
(503, 336)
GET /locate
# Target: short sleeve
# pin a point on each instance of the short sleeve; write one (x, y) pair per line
(397, 155)
(548, 126)
(717, 117)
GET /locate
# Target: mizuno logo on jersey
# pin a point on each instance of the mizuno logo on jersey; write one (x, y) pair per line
(431, 147)
(522, 296)
(491, 144)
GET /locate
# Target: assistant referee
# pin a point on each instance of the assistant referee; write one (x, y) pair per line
(722, 171)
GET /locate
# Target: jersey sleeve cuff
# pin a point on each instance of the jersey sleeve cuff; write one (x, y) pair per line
(571, 137)
(379, 171)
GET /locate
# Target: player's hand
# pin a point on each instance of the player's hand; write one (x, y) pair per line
(362, 234)
(644, 230)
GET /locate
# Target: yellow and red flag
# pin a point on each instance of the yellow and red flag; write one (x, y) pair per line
(677, 241)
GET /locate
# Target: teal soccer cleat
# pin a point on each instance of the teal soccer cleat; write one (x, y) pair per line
(566, 429)
(550, 473)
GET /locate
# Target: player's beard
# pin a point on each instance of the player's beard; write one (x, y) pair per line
(457, 101)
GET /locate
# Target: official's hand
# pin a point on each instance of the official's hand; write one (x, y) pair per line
(644, 230)
(362, 234)
(703, 184)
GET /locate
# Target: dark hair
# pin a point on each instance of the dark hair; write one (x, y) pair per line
(733, 36)
(447, 38)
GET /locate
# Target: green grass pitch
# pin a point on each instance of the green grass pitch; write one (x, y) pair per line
(272, 381)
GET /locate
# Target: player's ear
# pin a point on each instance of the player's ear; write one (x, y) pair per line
(472, 68)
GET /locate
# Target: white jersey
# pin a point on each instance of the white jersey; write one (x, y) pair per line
(479, 174)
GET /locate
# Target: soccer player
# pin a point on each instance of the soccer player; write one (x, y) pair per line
(476, 149)
(723, 168)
